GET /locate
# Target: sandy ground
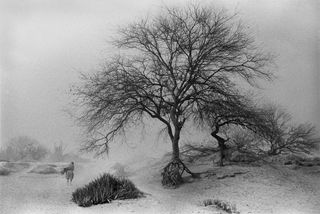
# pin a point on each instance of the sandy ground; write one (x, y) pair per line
(259, 190)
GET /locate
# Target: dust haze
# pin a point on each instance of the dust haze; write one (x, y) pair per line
(46, 44)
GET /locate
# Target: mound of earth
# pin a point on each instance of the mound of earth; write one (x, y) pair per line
(7, 167)
(259, 187)
(46, 169)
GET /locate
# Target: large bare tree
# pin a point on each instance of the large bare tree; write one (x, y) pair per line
(168, 64)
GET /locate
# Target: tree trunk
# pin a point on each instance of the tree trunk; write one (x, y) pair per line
(175, 146)
(221, 144)
(172, 173)
(222, 148)
(175, 137)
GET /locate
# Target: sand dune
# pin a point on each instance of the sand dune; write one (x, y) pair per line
(253, 189)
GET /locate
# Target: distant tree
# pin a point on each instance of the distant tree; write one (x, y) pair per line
(58, 154)
(24, 148)
(168, 64)
(119, 170)
(285, 137)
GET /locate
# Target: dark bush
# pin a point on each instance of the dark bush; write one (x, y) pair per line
(4, 171)
(105, 189)
(222, 205)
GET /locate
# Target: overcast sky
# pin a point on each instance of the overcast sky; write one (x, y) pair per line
(45, 44)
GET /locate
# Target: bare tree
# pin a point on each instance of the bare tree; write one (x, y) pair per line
(233, 110)
(284, 137)
(58, 152)
(167, 65)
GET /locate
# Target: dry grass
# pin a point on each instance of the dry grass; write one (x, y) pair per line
(105, 189)
(221, 205)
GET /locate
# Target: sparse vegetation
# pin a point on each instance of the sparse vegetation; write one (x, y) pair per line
(231, 112)
(7, 168)
(279, 136)
(57, 154)
(302, 161)
(191, 152)
(285, 137)
(4, 171)
(222, 205)
(270, 133)
(244, 140)
(23, 148)
(45, 169)
(105, 189)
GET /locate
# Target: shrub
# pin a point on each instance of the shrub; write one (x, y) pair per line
(285, 137)
(244, 139)
(15, 167)
(57, 155)
(245, 157)
(4, 171)
(222, 205)
(45, 169)
(105, 189)
(191, 152)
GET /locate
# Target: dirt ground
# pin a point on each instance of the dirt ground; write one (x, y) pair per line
(253, 189)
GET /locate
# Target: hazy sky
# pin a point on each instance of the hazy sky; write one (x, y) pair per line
(44, 44)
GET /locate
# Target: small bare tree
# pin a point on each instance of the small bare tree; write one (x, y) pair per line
(168, 64)
(234, 110)
(284, 137)
(58, 152)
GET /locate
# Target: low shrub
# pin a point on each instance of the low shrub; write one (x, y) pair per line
(302, 160)
(222, 205)
(45, 169)
(16, 166)
(208, 202)
(316, 159)
(4, 171)
(105, 189)
(7, 168)
(237, 156)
